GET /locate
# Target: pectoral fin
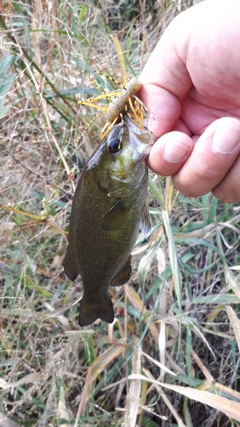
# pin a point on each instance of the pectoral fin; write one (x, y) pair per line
(113, 215)
(145, 224)
(123, 274)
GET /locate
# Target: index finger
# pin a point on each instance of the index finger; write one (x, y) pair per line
(164, 107)
(165, 78)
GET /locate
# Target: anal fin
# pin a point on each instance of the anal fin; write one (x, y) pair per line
(123, 274)
(69, 266)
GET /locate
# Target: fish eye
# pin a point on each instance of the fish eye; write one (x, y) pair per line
(114, 145)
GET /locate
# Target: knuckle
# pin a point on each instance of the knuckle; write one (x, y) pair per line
(225, 195)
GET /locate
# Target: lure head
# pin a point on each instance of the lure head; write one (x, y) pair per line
(133, 86)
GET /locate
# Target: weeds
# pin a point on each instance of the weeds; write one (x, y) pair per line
(172, 355)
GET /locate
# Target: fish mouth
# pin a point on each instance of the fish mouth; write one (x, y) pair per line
(139, 139)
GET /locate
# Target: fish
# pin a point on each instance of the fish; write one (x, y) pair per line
(108, 210)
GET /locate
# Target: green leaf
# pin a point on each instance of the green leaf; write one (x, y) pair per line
(5, 80)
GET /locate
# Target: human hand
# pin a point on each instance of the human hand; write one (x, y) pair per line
(191, 85)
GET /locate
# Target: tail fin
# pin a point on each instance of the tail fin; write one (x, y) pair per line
(91, 311)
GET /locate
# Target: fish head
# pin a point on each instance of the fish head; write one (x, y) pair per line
(120, 161)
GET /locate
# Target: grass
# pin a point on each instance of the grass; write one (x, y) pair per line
(172, 355)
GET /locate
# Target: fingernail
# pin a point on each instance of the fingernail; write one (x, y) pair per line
(175, 152)
(224, 139)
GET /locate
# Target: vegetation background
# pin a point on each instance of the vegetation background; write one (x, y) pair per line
(172, 356)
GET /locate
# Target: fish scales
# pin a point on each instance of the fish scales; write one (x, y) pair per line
(107, 208)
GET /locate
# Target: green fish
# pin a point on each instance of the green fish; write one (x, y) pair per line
(108, 209)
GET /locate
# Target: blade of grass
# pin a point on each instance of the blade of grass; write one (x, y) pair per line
(228, 407)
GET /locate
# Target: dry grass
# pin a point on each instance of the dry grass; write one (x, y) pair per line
(172, 356)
